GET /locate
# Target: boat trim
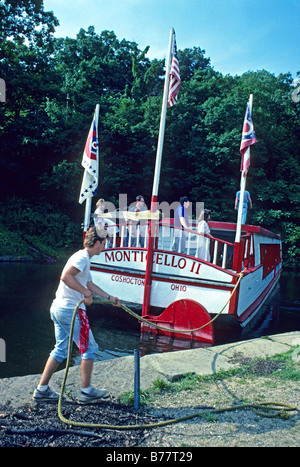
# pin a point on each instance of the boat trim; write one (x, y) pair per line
(170, 278)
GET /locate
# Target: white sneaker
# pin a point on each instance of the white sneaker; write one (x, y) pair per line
(94, 396)
(47, 395)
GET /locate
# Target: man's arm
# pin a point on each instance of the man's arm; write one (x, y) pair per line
(183, 222)
(182, 219)
(68, 277)
(93, 288)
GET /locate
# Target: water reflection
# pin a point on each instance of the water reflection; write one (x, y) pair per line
(27, 291)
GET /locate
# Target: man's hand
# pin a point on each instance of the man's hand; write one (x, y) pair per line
(116, 300)
(88, 299)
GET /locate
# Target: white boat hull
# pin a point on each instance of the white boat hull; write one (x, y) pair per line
(121, 272)
(174, 277)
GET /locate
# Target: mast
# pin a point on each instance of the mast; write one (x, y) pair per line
(163, 119)
(242, 188)
(90, 162)
(151, 233)
(237, 246)
(87, 214)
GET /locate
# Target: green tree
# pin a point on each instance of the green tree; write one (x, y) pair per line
(27, 71)
(53, 85)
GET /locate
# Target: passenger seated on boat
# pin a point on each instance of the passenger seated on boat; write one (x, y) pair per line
(137, 228)
(100, 206)
(181, 222)
(203, 242)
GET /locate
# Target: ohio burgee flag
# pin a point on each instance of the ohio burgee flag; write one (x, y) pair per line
(90, 162)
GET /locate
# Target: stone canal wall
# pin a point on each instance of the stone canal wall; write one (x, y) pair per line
(117, 375)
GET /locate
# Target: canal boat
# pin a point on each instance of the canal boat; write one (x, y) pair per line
(239, 277)
(180, 293)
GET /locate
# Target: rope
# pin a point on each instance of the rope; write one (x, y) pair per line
(140, 318)
(280, 409)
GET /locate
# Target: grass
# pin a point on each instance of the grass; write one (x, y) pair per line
(31, 247)
(37, 231)
(284, 367)
(290, 365)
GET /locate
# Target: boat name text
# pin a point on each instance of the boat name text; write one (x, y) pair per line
(136, 281)
(163, 259)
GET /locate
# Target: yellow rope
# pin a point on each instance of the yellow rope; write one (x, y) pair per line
(140, 318)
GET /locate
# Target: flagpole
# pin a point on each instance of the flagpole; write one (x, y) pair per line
(242, 188)
(88, 202)
(163, 118)
(240, 209)
(160, 143)
(87, 214)
(238, 251)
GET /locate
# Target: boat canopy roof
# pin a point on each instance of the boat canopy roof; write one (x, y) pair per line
(245, 229)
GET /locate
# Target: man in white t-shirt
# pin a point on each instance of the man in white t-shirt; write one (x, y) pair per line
(76, 284)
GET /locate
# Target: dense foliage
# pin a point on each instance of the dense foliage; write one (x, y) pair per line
(52, 87)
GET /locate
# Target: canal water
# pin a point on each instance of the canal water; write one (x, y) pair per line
(27, 291)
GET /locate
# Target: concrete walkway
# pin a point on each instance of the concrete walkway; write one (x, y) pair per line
(117, 375)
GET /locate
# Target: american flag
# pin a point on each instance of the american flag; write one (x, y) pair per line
(90, 162)
(174, 78)
(248, 138)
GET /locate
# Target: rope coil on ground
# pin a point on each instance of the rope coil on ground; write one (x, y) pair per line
(277, 408)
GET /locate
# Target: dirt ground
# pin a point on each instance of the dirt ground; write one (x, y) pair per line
(256, 381)
(38, 425)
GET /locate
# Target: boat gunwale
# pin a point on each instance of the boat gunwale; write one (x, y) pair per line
(167, 278)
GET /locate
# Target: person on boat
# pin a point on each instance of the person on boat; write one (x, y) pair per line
(181, 222)
(247, 199)
(133, 225)
(76, 284)
(100, 206)
(203, 242)
(108, 224)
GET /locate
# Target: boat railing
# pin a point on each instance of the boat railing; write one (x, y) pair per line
(126, 234)
(248, 258)
(217, 251)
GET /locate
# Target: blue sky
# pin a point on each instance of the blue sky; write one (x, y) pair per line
(237, 35)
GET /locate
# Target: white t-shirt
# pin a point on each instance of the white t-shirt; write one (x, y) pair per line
(65, 296)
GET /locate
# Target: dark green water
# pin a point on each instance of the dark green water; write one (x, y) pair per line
(27, 290)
